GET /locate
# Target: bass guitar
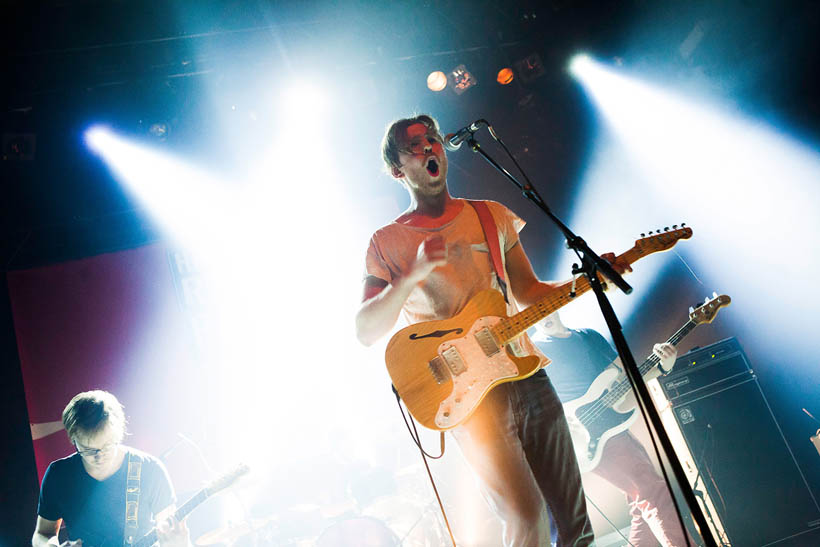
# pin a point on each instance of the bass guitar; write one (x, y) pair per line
(593, 417)
(443, 369)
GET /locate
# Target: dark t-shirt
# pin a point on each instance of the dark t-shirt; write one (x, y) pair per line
(93, 510)
(576, 361)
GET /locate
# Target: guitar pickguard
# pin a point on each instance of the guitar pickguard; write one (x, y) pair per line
(595, 420)
(475, 367)
(607, 420)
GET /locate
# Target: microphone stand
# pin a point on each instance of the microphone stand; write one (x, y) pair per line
(591, 264)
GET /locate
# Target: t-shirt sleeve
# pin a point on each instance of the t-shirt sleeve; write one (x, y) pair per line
(163, 495)
(47, 505)
(509, 224)
(375, 264)
(602, 346)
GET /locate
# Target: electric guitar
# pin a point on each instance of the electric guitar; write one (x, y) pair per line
(594, 411)
(214, 487)
(150, 538)
(443, 369)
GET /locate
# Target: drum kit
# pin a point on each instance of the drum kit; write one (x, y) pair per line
(401, 515)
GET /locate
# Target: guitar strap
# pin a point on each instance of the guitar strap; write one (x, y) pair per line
(491, 235)
(132, 500)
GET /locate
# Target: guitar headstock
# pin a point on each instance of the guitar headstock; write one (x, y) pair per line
(663, 240)
(707, 311)
(227, 479)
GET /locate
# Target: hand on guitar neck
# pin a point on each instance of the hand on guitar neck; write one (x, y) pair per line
(619, 264)
(593, 418)
(666, 353)
(172, 532)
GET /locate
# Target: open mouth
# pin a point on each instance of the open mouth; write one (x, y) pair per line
(432, 166)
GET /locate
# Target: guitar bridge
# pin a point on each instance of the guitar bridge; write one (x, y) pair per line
(486, 342)
(437, 367)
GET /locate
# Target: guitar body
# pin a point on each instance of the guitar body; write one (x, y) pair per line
(598, 421)
(444, 369)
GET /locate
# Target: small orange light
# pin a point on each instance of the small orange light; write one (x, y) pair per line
(436, 81)
(505, 76)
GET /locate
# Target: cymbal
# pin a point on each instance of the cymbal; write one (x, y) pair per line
(229, 534)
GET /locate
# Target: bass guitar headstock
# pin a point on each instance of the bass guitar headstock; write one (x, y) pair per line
(707, 311)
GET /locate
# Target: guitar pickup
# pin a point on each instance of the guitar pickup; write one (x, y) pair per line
(486, 342)
(454, 361)
(438, 368)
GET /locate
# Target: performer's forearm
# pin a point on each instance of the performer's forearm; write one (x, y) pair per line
(379, 314)
(534, 292)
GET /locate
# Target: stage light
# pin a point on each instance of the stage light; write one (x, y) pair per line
(437, 81)
(505, 76)
(529, 68)
(461, 79)
(19, 146)
(579, 64)
(159, 130)
(740, 184)
(182, 198)
(96, 137)
(304, 102)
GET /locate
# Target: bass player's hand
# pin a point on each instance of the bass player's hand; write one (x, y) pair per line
(667, 353)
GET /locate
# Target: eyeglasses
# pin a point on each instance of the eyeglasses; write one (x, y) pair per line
(91, 452)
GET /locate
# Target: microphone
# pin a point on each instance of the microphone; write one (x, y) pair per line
(453, 141)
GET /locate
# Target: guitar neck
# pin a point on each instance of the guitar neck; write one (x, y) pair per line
(510, 328)
(151, 537)
(652, 361)
(192, 504)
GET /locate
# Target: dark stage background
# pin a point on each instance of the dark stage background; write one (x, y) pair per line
(91, 297)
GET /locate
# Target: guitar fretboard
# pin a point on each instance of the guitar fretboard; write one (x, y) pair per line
(510, 328)
(151, 537)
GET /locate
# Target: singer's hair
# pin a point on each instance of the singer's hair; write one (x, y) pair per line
(393, 141)
(91, 412)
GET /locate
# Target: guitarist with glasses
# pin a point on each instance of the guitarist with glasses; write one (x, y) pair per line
(579, 357)
(87, 490)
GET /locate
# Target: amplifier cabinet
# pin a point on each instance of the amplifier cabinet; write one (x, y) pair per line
(742, 457)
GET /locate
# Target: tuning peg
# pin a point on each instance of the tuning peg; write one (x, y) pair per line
(643, 234)
(658, 230)
(682, 224)
(666, 228)
(691, 309)
(650, 232)
(674, 226)
(714, 294)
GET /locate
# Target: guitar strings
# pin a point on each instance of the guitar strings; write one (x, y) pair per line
(620, 389)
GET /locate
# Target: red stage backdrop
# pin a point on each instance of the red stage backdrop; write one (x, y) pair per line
(117, 322)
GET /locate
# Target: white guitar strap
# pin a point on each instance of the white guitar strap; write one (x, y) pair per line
(132, 500)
